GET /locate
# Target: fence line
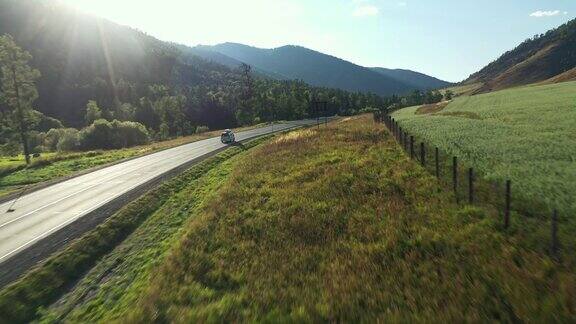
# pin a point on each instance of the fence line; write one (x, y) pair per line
(407, 143)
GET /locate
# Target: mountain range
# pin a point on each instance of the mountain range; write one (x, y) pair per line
(134, 76)
(318, 69)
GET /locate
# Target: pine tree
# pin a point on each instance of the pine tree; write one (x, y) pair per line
(18, 90)
(93, 112)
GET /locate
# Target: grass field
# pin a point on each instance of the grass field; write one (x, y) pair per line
(524, 134)
(338, 225)
(318, 225)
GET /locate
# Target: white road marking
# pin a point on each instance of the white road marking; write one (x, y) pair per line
(37, 238)
(179, 150)
(50, 204)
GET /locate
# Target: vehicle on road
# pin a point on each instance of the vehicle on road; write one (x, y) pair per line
(227, 137)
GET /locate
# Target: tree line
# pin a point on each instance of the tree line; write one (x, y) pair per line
(129, 113)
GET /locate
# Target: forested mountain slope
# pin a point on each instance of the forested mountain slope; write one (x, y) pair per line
(296, 62)
(209, 54)
(416, 79)
(83, 57)
(537, 59)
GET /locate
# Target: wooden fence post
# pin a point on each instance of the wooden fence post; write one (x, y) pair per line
(400, 135)
(422, 154)
(412, 147)
(508, 198)
(406, 141)
(437, 162)
(455, 176)
(470, 185)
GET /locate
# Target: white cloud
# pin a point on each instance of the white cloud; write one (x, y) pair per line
(402, 4)
(365, 11)
(549, 13)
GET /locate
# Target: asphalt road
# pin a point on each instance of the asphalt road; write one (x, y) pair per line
(43, 212)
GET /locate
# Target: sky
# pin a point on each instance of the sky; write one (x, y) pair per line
(448, 39)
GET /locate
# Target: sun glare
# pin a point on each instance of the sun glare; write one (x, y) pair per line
(119, 11)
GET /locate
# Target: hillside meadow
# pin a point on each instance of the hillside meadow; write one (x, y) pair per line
(337, 224)
(321, 224)
(523, 134)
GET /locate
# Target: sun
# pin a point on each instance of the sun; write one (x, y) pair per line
(119, 11)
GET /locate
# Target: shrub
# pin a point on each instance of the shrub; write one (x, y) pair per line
(103, 134)
(46, 123)
(97, 135)
(35, 141)
(69, 140)
(62, 139)
(133, 133)
(202, 129)
(10, 148)
(43, 123)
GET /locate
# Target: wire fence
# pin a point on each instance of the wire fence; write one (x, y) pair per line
(470, 187)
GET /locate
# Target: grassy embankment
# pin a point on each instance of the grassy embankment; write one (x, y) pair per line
(331, 224)
(524, 134)
(15, 175)
(122, 256)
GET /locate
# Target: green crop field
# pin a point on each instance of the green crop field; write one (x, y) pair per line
(527, 135)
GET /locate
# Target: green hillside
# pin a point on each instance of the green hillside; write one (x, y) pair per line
(523, 134)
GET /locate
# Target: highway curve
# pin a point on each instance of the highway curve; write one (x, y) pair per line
(26, 231)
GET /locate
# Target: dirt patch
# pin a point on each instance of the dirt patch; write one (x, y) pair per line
(347, 119)
(432, 108)
(567, 76)
(535, 68)
(295, 136)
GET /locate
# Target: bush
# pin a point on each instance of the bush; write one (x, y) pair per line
(133, 133)
(103, 134)
(46, 123)
(202, 129)
(10, 148)
(62, 139)
(69, 140)
(35, 141)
